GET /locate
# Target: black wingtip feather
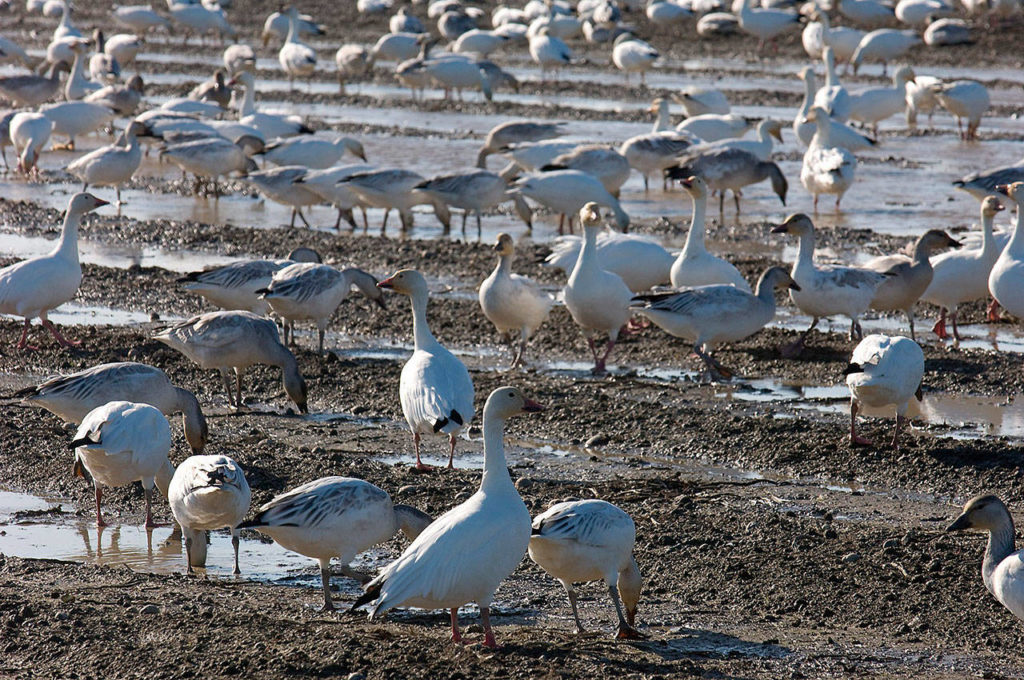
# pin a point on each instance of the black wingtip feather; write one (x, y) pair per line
(367, 597)
(457, 417)
(82, 441)
(439, 423)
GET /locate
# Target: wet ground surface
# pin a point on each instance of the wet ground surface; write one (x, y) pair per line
(769, 548)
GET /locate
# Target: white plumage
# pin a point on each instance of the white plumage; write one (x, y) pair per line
(695, 266)
(435, 388)
(77, 118)
(390, 189)
(967, 100)
(579, 541)
(297, 59)
(711, 127)
(567, 191)
(638, 259)
(235, 286)
(1006, 280)
(764, 24)
(884, 45)
(29, 133)
(875, 104)
(270, 124)
(634, 55)
(833, 97)
(113, 164)
(884, 371)
(207, 493)
(841, 134)
(827, 168)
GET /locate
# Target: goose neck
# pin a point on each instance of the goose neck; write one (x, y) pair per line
(664, 121)
(1016, 245)
(68, 245)
(695, 237)
(422, 337)
(1000, 545)
(766, 290)
(248, 105)
(805, 256)
(921, 252)
(293, 29)
(504, 268)
(988, 240)
(831, 80)
(495, 466)
(809, 90)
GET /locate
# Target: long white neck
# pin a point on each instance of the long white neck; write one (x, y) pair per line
(422, 337)
(830, 72)
(695, 237)
(496, 475)
(664, 121)
(809, 90)
(248, 105)
(1000, 545)
(504, 268)
(766, 290)
(77, 69)
(293, 29)
(805, 257)
(988, 239)
(587, 259)
(825, 25)
(67, 248)
(1016, 245)
(823, 130)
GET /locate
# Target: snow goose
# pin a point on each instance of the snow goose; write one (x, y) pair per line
(919, 12)
(206, 493)
(308, 290)
(697, 101)
(66, 28)
(277, 25)
(597, 299)
(549, 52)
(11, 51)
(297, 59)
(29, 91)
(730, 169)
(873, 105)
(435, 388)
(236, 340)
(283, 185)
(403, 22)
(967, 100)
(981, 184)
(827, 168)
(77, 84)
(238, 58)
(641, 262)
(812, 38)
(390, 189)
(631, 54)
(532, 156)
(652, 153)
(695, 266)
(842, 39)
(74, 119)
(465, 554)
(123, 48)
(327, 184)
(335, 517)
(945, 32)
(907, 278)
(471, 191)
(585, 541)
(33, 287)
(123, 99)
(1001, 568)
(711, 127)
(1006, 279)
(609, 166)
(567, 191)
(121, 442)
(315, 153)
(139, 18)
(397, 47)
(962, 275)
(666, 12)
(765, 24)
(760, 147)
(5, 136)
(477, 41)
(513, 303)
(113, 164)
(200, 19)
(825, 290)
(235, 286)
(833, 97)
(503, 136)
(457, 72)
(73, 396)
(710, 315)
(866, 12)
(352, 61)
(451, 25)
(884, 371)
(215, 90)
(29, 133)
(920, 99)
(270, 124)
(717, 23)
(884, 45)
(104, 67)
(210, 158)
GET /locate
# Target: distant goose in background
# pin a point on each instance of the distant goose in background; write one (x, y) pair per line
(234, 286)
(631, 54)
(123, 99)
(833, 97)
(884, 45)
(586, 541)
(967, 100)
(121, 442)
(875, 104)
(435, 388)
(866, 12)
(207, 493)
(74, 119)
(567, 191)
(1002, 564)
(827, 167)
(113, 164)
(764, 24)
(215, 90)
(917, 12)
(307, 290)
(472, 191)
(920, 99)
(33, 287)
(390, 189)
(983, 183)
(695, 266)
(236, 340)
(944, 32)
(314, 153)
(730, 169)
(718, 23)
(549, 52)
(77, 84)
(284, 185)
(352, 61)
(270, 124)
(297, 59)
(210, 158)
(884, 371)
(652, 153)
(200, 19)
(710, 315)
(329, 185)
(29, 91)
(504, 135)
(712, 127)
(139, 18)
(335, 517)
(513, 303)
(609, 166)
(465, 554)
(73, 396)
(696, 101)
(278, 24)
(104, 67)
(123, 48)
(760, 147)
(402, 21)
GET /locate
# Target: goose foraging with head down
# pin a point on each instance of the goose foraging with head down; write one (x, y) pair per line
(234, 286)
(465, 554)
(732, 169)
(435, 388)
(884, 371)
(585, 541)
(335, 517)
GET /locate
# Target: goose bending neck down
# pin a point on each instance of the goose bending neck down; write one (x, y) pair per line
(884, 371)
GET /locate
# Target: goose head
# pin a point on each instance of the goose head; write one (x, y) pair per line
(508, 401)
(295, 387)
(695, 186)
(657, 105)
(797, 224)
(815, 114)
(1014, 191)
(353, 146)
(590, 215)
(772, 127)
(903, 75)
(777, 278)
(82, 203)
(405, 281)
(985, 512)
(504, 245)
(197, 433)
(935, 239)
(990, 206)
(136, 83)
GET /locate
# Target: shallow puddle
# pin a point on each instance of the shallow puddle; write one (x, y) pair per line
(74, 314)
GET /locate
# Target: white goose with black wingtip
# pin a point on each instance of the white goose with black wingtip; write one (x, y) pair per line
(884, 371)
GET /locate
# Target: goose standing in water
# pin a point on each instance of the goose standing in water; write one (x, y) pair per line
(962, 275)
(1002, 569)
(29, 132)
(884, 371)
(827, 168)
(314, 153)
(653, 152)
(695, 266)
(981, 184)
(907, 278)
(967, 100)
(597, 299)
(1006, 280)
(465, 554)
(33, 287)
(122, 442)
(435, 388)
(842, 135)
(710, 315)
(235, 286)
(207, 493)
(472, 191)
(828, 289)
(335, 517)
(501, 137)
(567, 191)
(585, 541)
(513, 303)
(73, 396)
(236, 340)
(307, 290)
(113, 164)
(730, 169)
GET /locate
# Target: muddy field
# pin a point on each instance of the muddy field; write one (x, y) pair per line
(769, 547)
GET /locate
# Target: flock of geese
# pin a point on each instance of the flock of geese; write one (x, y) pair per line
(612, 276)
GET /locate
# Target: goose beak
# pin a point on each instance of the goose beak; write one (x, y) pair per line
(687, 182)
(960, 523)
(530, 406)
(853, 368)
(496, 247)
(100, 203)
(779, 229)
(1003, 189)
(387, 284)
(793, 286)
